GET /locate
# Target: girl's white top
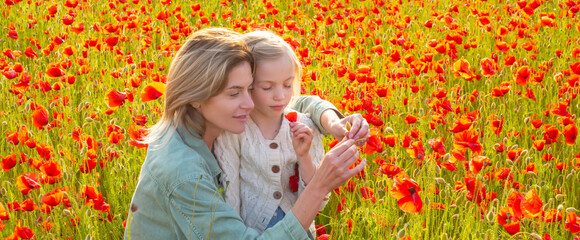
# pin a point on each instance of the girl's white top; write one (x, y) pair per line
(249, 161)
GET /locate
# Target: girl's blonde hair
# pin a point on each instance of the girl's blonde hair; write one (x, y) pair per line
(198, 72)
(269, 46)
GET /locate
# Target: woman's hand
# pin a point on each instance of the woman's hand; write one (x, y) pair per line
(334, 170)
(359, 128)
(301, 138)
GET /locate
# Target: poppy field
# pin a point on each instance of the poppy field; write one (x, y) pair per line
(472, 106)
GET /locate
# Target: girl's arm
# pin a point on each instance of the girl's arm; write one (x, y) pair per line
(328, 119)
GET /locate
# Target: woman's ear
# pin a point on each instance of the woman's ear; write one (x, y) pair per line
(195, 105)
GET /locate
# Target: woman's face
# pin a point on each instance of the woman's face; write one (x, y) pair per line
(230, 108)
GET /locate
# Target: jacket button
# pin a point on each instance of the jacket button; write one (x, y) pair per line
(275, 169)
(273, 145)
(277, 195)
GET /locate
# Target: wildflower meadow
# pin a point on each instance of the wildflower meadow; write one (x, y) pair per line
(472, 106)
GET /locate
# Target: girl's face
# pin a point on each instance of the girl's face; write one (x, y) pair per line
(273, 86)
(230, 108)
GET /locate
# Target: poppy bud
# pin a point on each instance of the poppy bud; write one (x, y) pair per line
(535, 236)
(437, 169)
(547, 205)
(389, 130)
(490, 216)
(560, 207)
(572, 209)
(559, 197)
(440, 181)
(402, 233)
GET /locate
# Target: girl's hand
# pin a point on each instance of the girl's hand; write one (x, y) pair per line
(301, 138)
(359, 128)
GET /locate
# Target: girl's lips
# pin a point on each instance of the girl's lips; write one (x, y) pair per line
(278, 107)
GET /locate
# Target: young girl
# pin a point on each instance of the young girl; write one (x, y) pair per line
(267, 166)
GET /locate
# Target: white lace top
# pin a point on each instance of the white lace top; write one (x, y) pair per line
(256, 171)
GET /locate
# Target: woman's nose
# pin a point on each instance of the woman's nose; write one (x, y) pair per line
(247, 102)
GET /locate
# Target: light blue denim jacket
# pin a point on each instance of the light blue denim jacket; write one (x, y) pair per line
(178, 194)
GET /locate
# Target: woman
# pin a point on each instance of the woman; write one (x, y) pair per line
(178, 195)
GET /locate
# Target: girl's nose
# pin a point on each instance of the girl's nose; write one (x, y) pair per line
(278, 94)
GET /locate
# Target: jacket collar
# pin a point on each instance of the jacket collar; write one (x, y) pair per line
(196, 143)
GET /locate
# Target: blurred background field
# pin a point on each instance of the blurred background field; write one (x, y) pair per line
(472, 106)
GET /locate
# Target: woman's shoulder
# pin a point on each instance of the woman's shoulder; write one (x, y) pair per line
(178, 157)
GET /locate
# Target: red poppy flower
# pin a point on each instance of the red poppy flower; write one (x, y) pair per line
(410, 119)
(88, 166)
(522, 75)
(464, 123)
(152, 91)
(24, 233)
(368, 193)
(468, 139)
(3, 213)
(28, 205)
(514, 201)
(532, 204)
(406, 191)
(553, 215)
(27, 182)
(390, 170)
(40, 117)
(570, 132)
(114, 98)
(53, 198)
(111, 41)
(512, 228)
(8, 162)
(294, 179)
(551, 133)
(572, 223)
(54, 70)
(52, 169)
(461, 68)
(496, 125)
(488, 67)
(478, 162)
(291, 116)
(437, 145)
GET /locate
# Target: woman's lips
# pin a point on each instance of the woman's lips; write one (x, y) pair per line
(241, 117)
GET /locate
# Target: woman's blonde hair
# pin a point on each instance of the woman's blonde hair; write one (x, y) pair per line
(269, 46)
(198, 72)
